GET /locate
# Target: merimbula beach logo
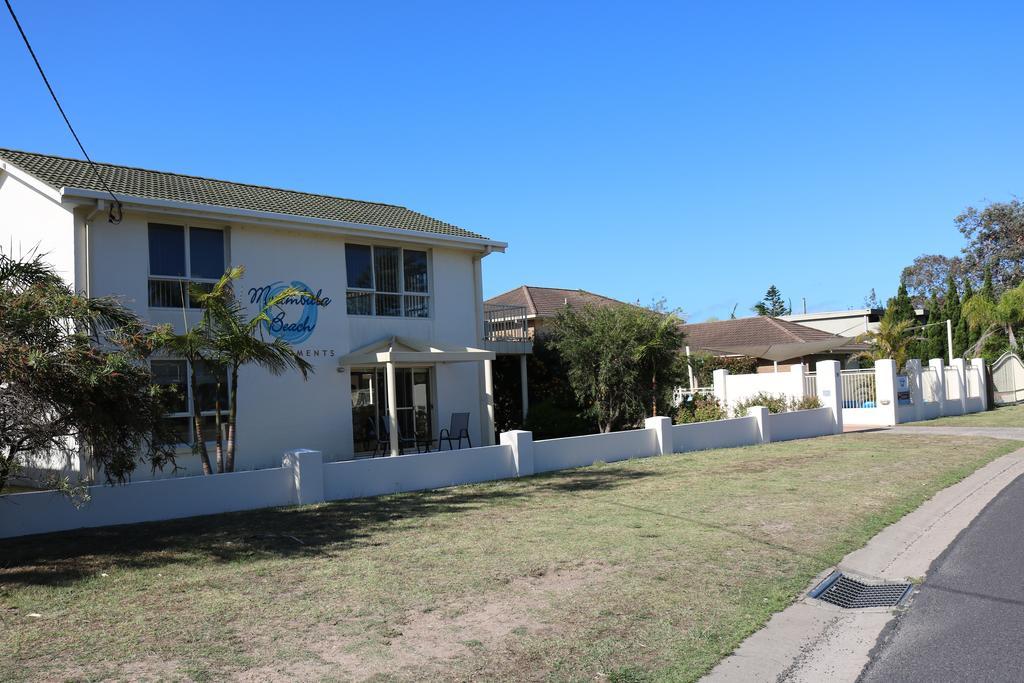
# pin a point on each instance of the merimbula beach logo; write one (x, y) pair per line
(293, 319)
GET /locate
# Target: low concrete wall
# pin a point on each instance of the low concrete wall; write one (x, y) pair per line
(701, 436)
(579, 451)
(800, 424)
(377, 476)
(146, 501)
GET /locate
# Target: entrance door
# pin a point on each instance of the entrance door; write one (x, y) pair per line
(370, 401)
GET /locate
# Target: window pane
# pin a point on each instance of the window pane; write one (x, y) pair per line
(389, 304)
(415, 270)
(207, 377)
(359, 265)
(417, 306)
(166, 293)
(193, 302)
(166, 249)
(386, 267)
(206, 250)
(182, 427)
(359, 303)
(209, 425)
(173, 373)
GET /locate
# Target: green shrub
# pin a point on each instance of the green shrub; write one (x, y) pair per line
(550, 420)
(805, 403)
(700, 408)
(775, 403)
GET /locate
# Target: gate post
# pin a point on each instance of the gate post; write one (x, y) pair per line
(830, 390)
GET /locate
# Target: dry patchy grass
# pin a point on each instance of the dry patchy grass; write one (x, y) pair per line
(646, 569)
(1007, 416)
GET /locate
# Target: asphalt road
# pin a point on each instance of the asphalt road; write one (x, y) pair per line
(967, 621)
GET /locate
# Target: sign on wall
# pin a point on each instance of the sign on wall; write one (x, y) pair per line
(902, 390)
(294, 318)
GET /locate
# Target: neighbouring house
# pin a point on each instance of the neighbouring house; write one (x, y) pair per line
(539, 305)
(774, 342)
(850, 323)
(398, 296)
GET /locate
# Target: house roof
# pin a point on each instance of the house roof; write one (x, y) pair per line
(546, 302)
(63, 172)
(765, 337)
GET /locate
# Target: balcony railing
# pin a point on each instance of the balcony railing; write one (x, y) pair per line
(505, 323)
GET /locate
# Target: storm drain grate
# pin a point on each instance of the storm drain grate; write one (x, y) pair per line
(849, 593)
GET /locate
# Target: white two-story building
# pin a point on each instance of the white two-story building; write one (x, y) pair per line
(399, 308)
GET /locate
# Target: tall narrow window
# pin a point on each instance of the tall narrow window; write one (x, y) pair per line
(387, 281)
(387, 266)
(212, 394)
(181, 256)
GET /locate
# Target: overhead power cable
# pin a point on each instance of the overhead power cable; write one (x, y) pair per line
(116, 210)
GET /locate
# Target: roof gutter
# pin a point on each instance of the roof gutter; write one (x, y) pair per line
(293, 222)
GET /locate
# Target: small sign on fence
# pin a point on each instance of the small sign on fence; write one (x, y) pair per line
(902, 390)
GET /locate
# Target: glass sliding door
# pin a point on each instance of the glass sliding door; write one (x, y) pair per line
(370, 401)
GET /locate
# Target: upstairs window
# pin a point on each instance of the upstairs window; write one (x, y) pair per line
(180, 255)
(387, 281)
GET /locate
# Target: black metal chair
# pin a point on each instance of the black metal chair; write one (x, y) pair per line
(457, 431)
(384, 441)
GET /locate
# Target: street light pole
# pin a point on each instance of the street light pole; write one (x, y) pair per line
(949, 339)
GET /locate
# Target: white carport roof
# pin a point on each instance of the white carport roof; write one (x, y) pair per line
(407, 350)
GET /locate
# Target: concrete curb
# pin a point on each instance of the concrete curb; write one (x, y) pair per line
(813, 641)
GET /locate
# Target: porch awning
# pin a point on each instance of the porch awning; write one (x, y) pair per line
(788, 350)
(406, 350)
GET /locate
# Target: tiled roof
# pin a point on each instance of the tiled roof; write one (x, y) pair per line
(61, 172)
(546, 302)
(755, 331)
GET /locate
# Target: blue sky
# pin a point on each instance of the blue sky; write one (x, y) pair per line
(696, 152)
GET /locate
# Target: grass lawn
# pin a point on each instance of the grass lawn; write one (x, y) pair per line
(1007, 416)
(646, 569)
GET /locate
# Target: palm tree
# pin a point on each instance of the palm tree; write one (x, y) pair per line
(661, 343)
(193, 345)
(236, 339)
(991, 316)
(892, 340)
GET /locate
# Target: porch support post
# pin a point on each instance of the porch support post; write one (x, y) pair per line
(488, 435)
(392, 407)
(523, 385)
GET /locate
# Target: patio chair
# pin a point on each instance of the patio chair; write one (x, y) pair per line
(457, 431)
(384, 441)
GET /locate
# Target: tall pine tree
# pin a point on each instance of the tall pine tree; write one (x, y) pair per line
(951, 312)
(964, 337)
(900, 308)
(935, 333)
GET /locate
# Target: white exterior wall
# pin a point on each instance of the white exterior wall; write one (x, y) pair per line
(281, 413)
(800, 424)
(32, 218)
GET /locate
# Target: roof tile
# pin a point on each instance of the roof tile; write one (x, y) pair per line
(61, 172)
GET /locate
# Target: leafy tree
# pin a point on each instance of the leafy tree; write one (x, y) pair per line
(951, 312)
(238, 339)
(772, 304)
(928, 275)
(619, 359)
(996, 234)
(965, 335)
(934, 342)
(705, 364)
(871, 300)
(73, 376)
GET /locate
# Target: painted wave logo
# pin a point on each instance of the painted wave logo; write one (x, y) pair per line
(285, 322)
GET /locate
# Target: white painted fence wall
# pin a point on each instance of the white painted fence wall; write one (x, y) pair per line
(800, 424)
(733, 389)
(306, 479)
(701, 436)
(146, 501)
(416, 472)
(579, 451)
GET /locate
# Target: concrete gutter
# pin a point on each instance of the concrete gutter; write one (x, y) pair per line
(812, 641)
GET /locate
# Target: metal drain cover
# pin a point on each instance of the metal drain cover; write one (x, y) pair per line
(850, 593)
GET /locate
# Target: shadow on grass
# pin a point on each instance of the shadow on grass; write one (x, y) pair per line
(67, 557)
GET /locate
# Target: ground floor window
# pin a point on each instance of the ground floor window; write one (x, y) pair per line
(212, 390)
(370, 405)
